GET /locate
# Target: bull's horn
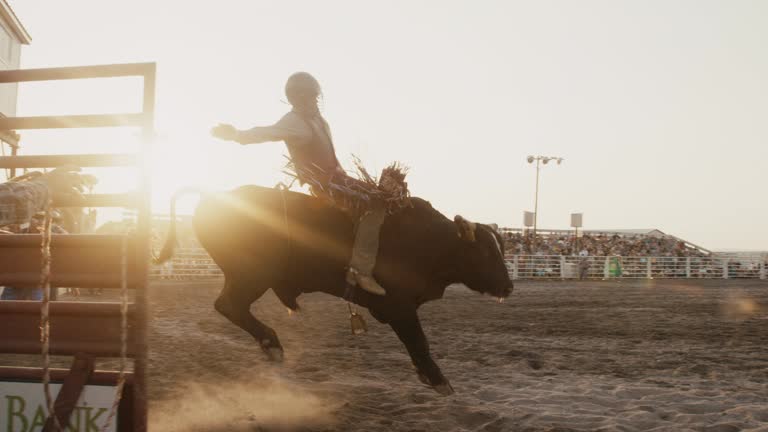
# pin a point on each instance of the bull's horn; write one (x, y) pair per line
(465, 227)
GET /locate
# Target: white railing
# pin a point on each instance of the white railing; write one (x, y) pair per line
(194, 263)
(187, 263)
(637, 267)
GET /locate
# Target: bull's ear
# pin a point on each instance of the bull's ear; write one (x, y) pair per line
(494, 227)
(466, 229)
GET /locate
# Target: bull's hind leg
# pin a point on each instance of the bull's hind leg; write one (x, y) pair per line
(234, 303)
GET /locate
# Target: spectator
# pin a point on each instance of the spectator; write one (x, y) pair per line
(601, 245)
(23, 198)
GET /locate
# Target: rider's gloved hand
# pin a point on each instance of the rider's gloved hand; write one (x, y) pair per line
(225, 131)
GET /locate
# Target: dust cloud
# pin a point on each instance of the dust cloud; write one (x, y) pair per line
(233, 406)
(738, 307)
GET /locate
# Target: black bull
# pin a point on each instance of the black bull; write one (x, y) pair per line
(293, 243)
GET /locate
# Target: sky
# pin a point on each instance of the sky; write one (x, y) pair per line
(658, 107)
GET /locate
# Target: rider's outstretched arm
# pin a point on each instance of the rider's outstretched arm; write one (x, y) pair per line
(290, 127)
(260, 134)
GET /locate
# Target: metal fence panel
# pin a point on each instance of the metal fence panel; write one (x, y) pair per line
(195, 263)
(634, 267)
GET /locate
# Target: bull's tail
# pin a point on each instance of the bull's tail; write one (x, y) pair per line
(170, 242)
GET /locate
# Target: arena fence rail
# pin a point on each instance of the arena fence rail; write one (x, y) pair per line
(632, 267)
(187, 263)
(194, 263)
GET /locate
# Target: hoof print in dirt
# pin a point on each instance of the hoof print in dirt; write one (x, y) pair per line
(534, 363)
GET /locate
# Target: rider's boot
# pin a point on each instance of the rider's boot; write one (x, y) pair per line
(364, 252)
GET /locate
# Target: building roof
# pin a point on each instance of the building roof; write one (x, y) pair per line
(14, 23)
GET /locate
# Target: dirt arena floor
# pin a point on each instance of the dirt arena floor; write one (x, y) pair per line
(557, 356)
(560, 356)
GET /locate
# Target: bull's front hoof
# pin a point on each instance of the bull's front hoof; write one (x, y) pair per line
(274, 353)
(444, 389)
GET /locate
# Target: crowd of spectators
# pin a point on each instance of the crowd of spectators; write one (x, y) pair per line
(602, 244)
(23, 203)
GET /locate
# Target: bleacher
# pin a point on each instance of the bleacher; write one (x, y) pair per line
(647, 242)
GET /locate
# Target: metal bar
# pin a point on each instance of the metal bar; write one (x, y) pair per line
(77, 72)
(72, 121)
(127, 200)
(62, 309)
(62, 240)
(140, 412)
(535, 208)
(79, 160)
(77, 261)
(75, 327)
(547, 266)
(20, 373)
(80, 280)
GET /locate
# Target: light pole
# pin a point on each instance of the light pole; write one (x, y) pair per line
(539, 161)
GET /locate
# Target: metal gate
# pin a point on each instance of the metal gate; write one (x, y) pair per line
(84, 330)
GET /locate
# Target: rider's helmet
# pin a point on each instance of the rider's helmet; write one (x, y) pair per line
(302, 88)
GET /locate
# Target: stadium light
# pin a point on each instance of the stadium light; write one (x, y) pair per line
(544, 160)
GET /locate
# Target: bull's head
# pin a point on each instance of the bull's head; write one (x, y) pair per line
(481, 258)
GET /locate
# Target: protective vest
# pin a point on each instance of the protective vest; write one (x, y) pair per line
(316, 155)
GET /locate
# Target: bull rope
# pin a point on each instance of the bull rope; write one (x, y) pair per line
(45, 321)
